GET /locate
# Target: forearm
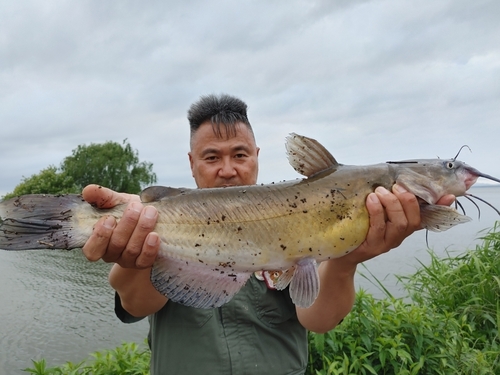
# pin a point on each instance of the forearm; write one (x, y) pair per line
(335, 299)
(138, 296)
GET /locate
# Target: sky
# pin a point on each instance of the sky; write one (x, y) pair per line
(371, 80)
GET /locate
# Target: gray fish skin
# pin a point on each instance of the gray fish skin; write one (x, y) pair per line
(214, 239)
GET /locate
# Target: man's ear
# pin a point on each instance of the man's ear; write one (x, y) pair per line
(190, 161)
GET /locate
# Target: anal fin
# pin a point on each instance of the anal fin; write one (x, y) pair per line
(195, 285)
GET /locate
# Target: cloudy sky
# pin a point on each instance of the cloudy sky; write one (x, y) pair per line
(372, 80)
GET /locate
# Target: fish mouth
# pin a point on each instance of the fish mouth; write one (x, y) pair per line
(469, 181)
(470, 177)
(472, 174)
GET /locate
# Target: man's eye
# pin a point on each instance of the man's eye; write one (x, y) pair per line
(211, 158)
(239, 156)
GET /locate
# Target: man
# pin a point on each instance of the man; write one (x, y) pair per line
(260, 331)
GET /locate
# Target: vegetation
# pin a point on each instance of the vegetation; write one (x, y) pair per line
(392, 337)
(49, 181)
(109, 164)
(449, 325)
(468, 285)
(128, 359)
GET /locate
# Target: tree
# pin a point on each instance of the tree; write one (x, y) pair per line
(109, 164)
(48, 181)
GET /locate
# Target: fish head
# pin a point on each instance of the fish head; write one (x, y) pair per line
(431, 179)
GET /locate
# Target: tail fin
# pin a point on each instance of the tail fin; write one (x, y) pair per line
(40, 221)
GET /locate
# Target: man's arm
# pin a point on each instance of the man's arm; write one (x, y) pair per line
(393, 217)
(131, 245)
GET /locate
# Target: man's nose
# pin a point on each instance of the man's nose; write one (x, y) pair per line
(227, 169)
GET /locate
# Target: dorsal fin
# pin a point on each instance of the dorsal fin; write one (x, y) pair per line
(307, 156)
(156, 193)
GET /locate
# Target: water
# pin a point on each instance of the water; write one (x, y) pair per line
(58, 306)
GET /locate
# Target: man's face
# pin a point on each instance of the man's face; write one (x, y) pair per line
(218, 161)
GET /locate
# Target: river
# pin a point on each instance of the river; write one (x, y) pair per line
(58, 306)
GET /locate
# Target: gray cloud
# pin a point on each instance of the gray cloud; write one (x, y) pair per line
(373, 80)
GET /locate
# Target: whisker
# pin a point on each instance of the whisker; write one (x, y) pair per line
(475, 204)
(458, 204)
(482, 200)
(461, 148)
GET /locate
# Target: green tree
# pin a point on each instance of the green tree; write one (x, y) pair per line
(109, 164)
(48, 181)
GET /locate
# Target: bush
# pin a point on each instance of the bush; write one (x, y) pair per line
(127, 359)
(451, 325)
(393, 337)
(468, 285)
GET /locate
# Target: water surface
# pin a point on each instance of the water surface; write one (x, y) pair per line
(56, 305)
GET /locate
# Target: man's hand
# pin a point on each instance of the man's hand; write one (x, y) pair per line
(393, 217)
(130, 242)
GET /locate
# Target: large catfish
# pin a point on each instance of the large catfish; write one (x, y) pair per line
(214, 239)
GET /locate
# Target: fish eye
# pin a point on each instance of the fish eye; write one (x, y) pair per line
(450, 165)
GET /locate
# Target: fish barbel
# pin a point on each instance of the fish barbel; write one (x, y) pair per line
(212, 240)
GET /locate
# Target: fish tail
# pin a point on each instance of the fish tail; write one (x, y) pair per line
(40, 221)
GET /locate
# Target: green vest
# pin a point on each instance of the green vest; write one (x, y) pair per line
(257, 332)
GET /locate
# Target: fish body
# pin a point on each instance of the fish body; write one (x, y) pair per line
(212, 240)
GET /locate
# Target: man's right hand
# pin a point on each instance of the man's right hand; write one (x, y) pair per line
(129, 242)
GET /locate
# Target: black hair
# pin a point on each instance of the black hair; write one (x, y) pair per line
(220, 110)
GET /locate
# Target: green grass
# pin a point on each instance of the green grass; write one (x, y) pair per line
(449, 324)
(468, 285)
(127, 359)
(393, 337)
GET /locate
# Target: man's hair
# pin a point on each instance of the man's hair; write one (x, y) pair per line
(220, 110)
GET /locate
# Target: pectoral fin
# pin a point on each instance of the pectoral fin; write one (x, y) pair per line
(195, 285)
(440, 218)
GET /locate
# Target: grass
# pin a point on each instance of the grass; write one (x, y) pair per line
(393, 337)
(127, 359)
(468, 285)
(448, 325)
